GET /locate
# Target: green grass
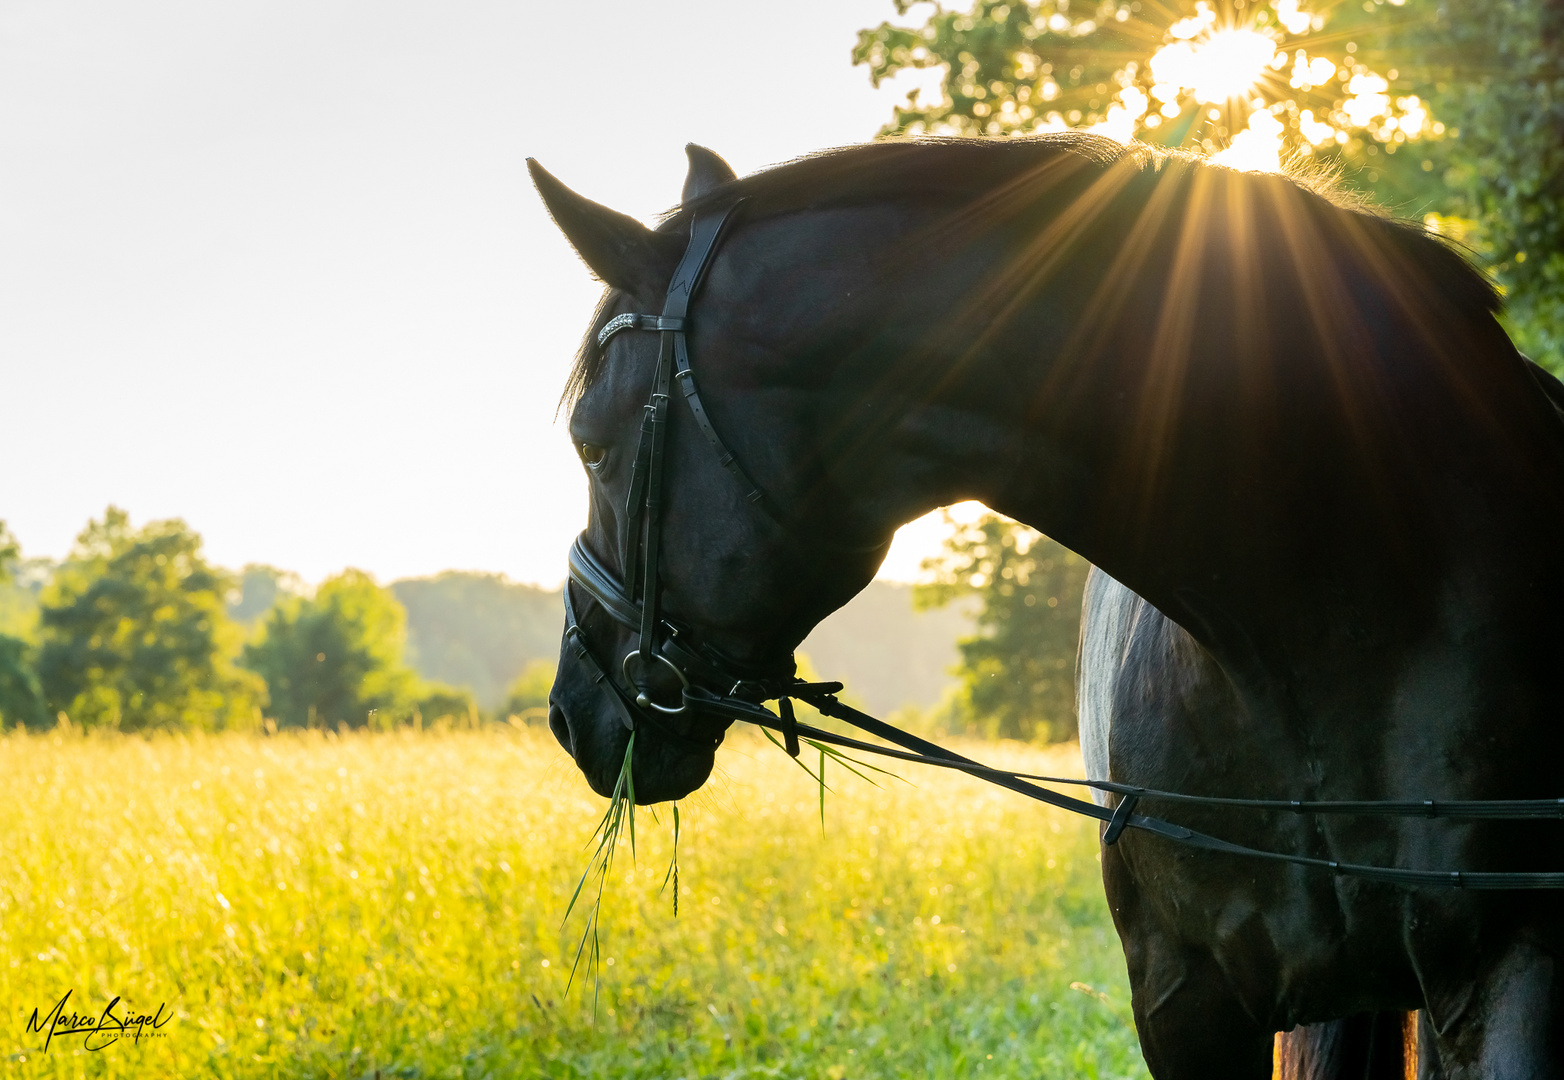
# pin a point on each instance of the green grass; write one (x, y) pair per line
(329, 907)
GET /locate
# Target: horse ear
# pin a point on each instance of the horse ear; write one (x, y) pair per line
(617, 248)
(707, 173)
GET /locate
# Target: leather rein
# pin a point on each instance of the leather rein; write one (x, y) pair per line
(715, 687)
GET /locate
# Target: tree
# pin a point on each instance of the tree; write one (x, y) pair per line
(10, 554)
(260, 588)
(527, 697)
(19, 592)
(478, 630)
(21, 699)
(336, 657)
(1424, 105)
(1245, 80)
(1018, 671)
(1498, 73)
(439, 703)
(21, 580)
(133, 633)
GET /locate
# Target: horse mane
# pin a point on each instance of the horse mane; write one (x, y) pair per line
(961, 170)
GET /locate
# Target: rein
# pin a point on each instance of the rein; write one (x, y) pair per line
(715, 686)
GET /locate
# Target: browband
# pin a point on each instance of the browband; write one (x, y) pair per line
(633, 321)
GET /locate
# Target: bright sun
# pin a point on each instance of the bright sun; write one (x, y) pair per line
(1222, 66)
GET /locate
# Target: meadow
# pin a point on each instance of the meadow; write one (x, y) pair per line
(362, 905)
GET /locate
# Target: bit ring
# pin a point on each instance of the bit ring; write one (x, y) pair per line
(642, 698)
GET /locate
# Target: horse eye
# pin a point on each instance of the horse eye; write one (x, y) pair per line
(592, 455)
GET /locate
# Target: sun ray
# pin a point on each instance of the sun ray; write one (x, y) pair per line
(1171, 350)
(1099, 317)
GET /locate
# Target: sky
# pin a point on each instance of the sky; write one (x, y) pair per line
(276, 268)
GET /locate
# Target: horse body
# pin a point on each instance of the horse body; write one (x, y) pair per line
(1229, 955)
(1296, 435)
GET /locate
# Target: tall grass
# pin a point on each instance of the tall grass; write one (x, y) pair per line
(319, 906)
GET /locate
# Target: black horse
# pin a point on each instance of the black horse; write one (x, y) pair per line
(1293, 429)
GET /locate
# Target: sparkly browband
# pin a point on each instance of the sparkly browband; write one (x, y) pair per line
(630, 321)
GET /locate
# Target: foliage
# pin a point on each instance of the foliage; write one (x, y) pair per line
(21, 698)
(261, 588)
(527, 697)
(484, 632)
(1454, 111)
(478, 630)
(336, 658)
(1018, 671)
(20, 582)
(19, 597)
(438, 703)
(1220, 76)
(10, 553)
(1499, 66)
(315, 904)
(133, 633)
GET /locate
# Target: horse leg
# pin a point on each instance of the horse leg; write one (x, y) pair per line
(1506, 1025)
(1191, 1024)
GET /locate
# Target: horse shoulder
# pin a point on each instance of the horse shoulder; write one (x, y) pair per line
(1139, 668)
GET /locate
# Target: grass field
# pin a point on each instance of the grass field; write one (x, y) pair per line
(329, 906)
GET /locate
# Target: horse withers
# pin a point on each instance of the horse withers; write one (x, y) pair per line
(1320, 485)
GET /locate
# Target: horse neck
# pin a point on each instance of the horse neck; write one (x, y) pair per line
(1267, 445)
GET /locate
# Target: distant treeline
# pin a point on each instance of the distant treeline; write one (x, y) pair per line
(136, 630)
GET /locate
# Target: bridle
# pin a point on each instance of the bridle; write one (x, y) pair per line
(711, 684)
(717, 687)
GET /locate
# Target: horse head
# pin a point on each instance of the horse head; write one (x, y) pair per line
(733, 577)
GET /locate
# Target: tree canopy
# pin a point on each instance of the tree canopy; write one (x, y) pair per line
(1242, 80)
(261, 588)
(1497, 68)
(10, 554)
(1451, 112)
(21, 698)
(1017, 671)
(133, 633)
(336, 657)
(478, 630)
(527, 697)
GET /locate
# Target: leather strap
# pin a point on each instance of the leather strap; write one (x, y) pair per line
(599, 584)
(752, 492)
(630, 321)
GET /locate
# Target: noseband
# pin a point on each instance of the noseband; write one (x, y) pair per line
(716, 686)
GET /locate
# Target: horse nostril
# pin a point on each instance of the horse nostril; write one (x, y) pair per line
(560, 727)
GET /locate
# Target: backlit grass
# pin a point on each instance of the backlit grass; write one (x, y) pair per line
(322, 906)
